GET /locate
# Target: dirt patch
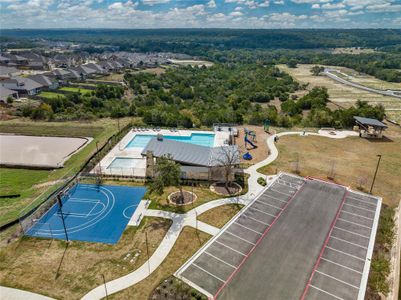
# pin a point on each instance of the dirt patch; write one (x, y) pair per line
(184, 198)
(224, 189)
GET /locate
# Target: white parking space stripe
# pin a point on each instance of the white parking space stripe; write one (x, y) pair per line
(327, 293)
(345, 267)
(238, 237)
(358, 234)
(274, 198)
(236, 223)
(350, 255)
(361, 201)
(354, 223)
(357, 245)
(358, 207)
(357, 215)
(268, 204)
(219, 259)
(339, 280)
(263, 212)
(206, 271)
(224, 245)
(280, 192)
(256, 220)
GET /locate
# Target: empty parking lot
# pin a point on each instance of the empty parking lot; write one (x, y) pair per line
(301, 238)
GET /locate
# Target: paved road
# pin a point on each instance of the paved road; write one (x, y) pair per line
(391, 93)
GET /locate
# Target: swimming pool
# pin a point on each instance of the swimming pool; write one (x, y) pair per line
(123, 162)
(201, 139)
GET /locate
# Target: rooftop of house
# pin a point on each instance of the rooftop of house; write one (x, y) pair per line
(42, 79)
(21, 83)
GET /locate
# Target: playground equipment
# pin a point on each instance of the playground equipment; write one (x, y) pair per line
(247, 156)
(247, 141)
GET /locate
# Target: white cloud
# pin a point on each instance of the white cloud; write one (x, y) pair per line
(211, 4)
(236, 14)
(153, 2)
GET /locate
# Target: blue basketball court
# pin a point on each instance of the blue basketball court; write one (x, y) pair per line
(92, 213)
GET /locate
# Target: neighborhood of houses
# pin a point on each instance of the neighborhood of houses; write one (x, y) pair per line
(27, 73)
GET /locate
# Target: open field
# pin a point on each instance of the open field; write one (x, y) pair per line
(341, 94)
(352, 50)
(156, 71)
(366, 80)
(50, 95)
(219, 216)
(49, 267)
(186, 245)
(76, 90)
(191, 62)
(354, 160)
(33, 183)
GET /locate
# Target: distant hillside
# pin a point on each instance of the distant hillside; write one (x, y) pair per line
(223, 39)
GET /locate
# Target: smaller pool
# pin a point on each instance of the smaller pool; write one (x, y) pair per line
(201, 139)
(124, 163)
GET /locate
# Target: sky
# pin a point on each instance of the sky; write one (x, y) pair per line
(200, 14)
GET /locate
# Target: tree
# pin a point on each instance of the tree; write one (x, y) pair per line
(10, 99)
(227, 157)
(292, 63)
(316, 70)
(168, 173)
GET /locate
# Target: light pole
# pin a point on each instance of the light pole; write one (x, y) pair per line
(377, 168)
(105, 287)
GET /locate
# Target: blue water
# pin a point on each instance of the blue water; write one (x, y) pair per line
(201, 139)
(91, 213)
(123, 162)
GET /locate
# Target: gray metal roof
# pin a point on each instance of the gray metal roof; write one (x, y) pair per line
(370, 122)
(189, 153)
(42, 79)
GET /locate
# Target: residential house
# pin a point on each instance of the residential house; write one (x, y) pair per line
(24, 86)
(47, 82)
(7, 72)
(5, 93)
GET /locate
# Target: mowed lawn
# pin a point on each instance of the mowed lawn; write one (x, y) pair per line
(34, 185)
(52, 268)
(50, 95)
(76, 90)
(354, 161)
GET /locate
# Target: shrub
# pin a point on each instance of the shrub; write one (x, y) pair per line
(262, 181)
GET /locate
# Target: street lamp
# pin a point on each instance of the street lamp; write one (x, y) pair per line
(377, 168)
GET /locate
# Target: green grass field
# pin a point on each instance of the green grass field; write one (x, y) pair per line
(76, 90)
(35, 185)
(50, 95)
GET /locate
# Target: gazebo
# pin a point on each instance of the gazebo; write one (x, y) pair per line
(370, 128)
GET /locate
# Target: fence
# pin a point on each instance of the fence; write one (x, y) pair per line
(43, 202)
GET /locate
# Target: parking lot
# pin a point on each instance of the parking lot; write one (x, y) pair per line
(299, 238)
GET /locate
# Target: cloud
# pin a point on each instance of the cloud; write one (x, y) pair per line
(153, 2)
(211, 4)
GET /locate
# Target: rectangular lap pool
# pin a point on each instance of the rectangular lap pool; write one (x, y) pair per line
(201, 139)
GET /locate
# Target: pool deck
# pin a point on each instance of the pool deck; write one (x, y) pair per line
(139, 170)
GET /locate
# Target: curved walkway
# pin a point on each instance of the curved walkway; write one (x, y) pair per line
(188, 219)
